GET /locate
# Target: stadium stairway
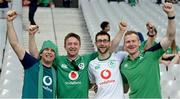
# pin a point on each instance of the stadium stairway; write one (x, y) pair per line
(11, 77)
(56, 23)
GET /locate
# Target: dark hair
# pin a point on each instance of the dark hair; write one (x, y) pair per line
(102, 33)
(104, 24)
(72, 35)
(141, 38)
(169, 1)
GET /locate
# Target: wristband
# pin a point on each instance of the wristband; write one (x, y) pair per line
(171, 18)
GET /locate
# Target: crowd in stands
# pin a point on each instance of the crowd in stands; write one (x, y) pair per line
(134, 2)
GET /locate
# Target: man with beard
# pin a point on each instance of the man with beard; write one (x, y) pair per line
(104, 70)
(141, 70)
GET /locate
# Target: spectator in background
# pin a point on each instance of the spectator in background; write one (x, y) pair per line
(32, 10)
(120, 0)
(158, 1)
(66, 3)
(105, 26)
(152, 32)
(132, 2)
(4, 8)
(141, 38)
(33, 7)
(172, 55)
(116, 0)
(172, 1)
(25, 2)
(46, 3)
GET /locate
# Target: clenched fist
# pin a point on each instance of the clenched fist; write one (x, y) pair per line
(11, 15)
(123, 26)
(151, 28)
(33, 29)
(168, 9)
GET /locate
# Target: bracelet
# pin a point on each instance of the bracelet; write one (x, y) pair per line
(171, 18)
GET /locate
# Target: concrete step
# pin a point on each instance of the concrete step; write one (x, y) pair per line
(64, 20)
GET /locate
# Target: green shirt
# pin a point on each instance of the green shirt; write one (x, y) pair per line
(44, 1)
(143, 75)
(141, 48)
(31, 77)
(169, 50)
(71, 83)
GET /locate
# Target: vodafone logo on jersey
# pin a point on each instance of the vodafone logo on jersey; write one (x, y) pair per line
(47, 80)
(73, 75)
(106, 74)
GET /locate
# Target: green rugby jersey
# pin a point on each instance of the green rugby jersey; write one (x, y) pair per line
(141, 48)
(143, 75)
(71, 83)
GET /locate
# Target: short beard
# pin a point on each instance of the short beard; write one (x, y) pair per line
(104, 51)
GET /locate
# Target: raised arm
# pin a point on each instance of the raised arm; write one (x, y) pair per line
(151, 35)
(32, 44)
(171, 29)
(13, 40)
(115, 42)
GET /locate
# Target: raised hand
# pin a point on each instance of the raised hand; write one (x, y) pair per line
(11, 15)
(33, 29)
(123, 26)
(168, 9)
(151, 28)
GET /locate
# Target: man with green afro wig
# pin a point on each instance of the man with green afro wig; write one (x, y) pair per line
(39, 74)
